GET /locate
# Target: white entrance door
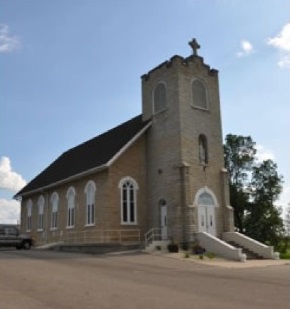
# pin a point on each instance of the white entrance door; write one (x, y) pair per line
(163, 222)
(206, 219)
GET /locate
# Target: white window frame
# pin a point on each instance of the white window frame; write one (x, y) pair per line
(54, 211)
(71, 194)
(90, 192)
(40, 214)
(126, 201)
(29, 206)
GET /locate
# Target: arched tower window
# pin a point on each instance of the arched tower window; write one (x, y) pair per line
(28, 215)
(159, 98)
(54, 210)
(128, 187)
(199, 98)
(202, 148)
(71, 193)
(90, 191)
(40, 205)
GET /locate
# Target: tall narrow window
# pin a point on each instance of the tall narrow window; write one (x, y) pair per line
(202, 146)
(40, 204)
(128, 187)
(71, 193)
(199, 98)
(90, 192)
(159, 98)
(29, 215)
(54, 210)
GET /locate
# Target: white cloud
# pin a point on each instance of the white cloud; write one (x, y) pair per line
(246, 49)
(263, 153)
(282, 42)
(9, 211)
(8, 178)
(8, 43)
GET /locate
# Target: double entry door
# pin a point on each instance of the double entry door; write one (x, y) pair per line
(206, 219)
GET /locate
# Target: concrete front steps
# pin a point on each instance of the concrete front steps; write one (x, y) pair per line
(235, 246)
(160, 245)
(249, 254)
(243, 241)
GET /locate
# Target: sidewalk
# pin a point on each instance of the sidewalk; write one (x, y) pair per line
(220, 262)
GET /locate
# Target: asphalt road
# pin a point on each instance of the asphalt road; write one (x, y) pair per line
(55, 280)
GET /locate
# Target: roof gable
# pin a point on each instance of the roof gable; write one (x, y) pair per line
(92, 154)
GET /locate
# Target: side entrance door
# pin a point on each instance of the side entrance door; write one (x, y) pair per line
(163, 222)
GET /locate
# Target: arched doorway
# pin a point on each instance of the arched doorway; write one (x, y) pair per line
(206, 203)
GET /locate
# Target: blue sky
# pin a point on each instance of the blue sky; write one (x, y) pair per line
(70, 69)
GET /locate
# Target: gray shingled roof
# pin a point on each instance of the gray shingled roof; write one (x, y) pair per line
(86, 156)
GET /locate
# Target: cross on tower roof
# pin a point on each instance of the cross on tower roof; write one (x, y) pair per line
(194, 45)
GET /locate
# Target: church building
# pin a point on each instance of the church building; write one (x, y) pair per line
(161, 172)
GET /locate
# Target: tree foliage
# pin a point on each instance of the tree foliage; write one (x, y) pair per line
(239, 158)
(254, 188)
(287, 221)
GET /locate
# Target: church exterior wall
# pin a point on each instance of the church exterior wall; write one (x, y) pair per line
(107, 204)
(174, 169)
(63, 232)
(194, 122)
(164, 163)
(131, 164)
(163, 150)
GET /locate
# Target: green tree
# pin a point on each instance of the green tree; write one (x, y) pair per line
(254, 189)
(239, 158)
(287, 221)
(285, 243)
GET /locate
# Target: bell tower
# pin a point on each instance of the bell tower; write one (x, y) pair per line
(184, 145)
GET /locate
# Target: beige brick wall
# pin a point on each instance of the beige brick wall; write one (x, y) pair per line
(107, 206)
(173, 142)
(133, 164)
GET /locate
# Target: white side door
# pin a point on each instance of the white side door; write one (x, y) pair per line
(163, 222)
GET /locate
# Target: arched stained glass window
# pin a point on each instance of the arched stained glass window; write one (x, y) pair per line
(54, 210)
(71, 207)
(40, 204)
(205, 199)
(90, 192)
(29, 215)
(128, 187)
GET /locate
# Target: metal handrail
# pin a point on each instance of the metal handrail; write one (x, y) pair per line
(153, 234)
(96, 236)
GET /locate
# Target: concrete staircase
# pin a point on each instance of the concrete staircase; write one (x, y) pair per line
(157, 245)
(250, 254)
(254, 248)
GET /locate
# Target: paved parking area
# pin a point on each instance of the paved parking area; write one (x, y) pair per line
(55, 280)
